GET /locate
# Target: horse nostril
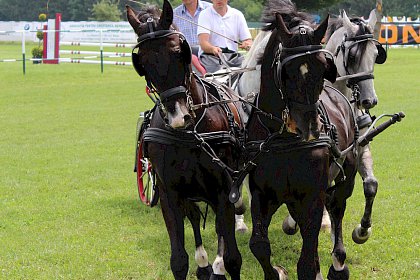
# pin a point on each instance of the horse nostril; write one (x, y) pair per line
(367, 103)
(187, 118)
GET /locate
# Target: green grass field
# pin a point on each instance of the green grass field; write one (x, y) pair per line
(69, 207)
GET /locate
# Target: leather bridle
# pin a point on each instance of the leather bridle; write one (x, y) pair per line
(163, 96)
(354, 78)
(290, 54)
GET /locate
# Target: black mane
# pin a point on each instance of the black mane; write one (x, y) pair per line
(150, 11)
(291, 16)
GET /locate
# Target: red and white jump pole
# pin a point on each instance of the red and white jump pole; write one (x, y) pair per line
(51, 51)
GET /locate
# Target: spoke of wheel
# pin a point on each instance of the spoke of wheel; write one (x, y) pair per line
(147, 190)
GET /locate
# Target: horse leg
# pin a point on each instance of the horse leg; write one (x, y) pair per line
(259, 243)
(289, 226)
(174, 220)
(204, 269)
(219, 270)
(240, 225)
(326, 221)
(308, 213)
(336, 208)
(228, 256)
(370, 186)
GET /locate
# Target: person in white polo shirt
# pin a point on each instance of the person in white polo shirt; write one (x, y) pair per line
(231, 24)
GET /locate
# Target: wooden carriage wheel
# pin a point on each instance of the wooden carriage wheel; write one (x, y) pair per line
(146, 178)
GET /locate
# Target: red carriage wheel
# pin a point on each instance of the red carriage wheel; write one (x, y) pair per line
(145, 178)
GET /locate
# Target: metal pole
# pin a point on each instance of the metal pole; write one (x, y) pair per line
(23, 53)
(379, 14)
(102, 54)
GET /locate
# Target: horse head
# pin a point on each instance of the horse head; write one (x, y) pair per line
(163, 56)
(299, 73)
(356, 52)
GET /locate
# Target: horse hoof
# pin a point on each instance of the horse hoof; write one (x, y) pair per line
(204, 273)
(289, 226)
(282, 272)
(338, 275)
(360, 234)
(240, 226)
(217, 277)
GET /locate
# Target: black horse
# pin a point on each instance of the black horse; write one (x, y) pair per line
(191, 139)
(293, 132)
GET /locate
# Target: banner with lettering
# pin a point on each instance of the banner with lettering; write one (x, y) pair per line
(397, 33)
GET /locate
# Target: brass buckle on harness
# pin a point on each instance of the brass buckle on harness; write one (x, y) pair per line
(285, 115)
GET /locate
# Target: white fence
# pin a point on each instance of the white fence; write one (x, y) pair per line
(123, 33)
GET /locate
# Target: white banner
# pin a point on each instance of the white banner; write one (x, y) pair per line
(112, 32)
(80, 31)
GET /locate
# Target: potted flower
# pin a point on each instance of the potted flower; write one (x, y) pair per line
(37, 54)
(38, 51)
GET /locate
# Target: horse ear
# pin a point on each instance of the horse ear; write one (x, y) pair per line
(285, 34)
(320, 30)
(167, 15)
(132, 18)
(330, 70)
(372, 19)
(347, 24)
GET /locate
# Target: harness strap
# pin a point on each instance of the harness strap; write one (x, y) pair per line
(355, 80)
(187, 138)
(361, 74)
(154, 35)
(167, 94)
(305, 107)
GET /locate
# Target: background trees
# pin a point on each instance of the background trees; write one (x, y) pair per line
(78, 10)
(409, 8)
(105, 10)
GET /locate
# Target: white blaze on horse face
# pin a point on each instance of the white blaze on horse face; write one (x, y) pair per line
(176, 118)
(304, 70)
(201, 257)
(368, 97)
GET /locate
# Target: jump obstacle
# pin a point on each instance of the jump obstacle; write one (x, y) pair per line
(51, 47)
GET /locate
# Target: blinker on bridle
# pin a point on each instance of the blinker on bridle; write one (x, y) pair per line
(353, 79)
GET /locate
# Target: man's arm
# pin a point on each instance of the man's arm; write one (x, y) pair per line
(246, 44)
(204, 40)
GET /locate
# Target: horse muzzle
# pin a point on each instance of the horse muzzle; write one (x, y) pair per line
(180, 121)
(368, 103)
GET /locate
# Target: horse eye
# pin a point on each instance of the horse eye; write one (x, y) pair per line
(170, 107)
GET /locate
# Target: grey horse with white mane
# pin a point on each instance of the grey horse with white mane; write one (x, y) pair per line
(356, 52)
